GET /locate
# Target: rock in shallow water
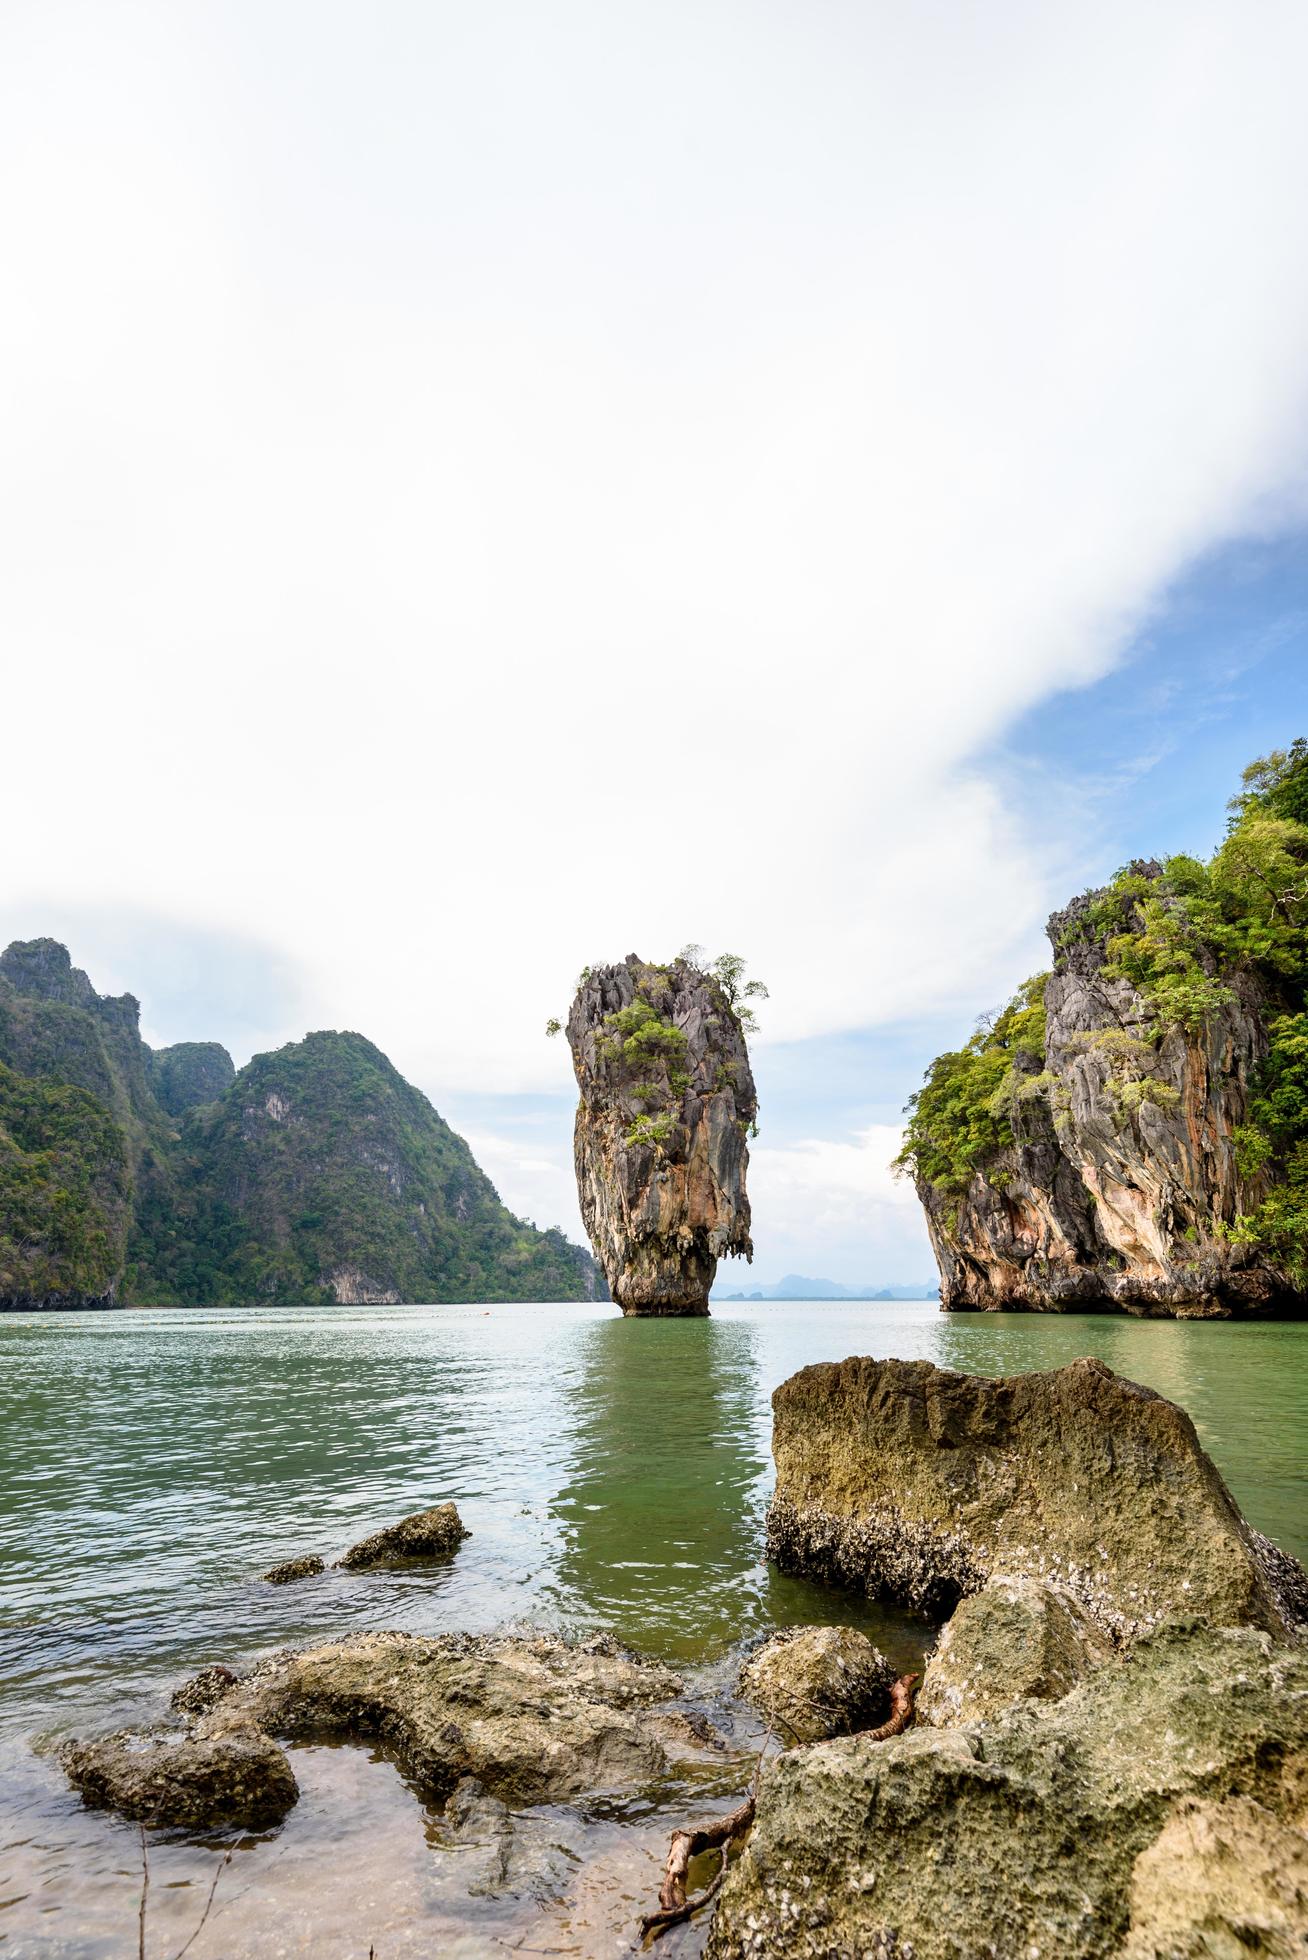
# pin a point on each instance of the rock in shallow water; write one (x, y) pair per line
(200, 1783)
(292, 1569)
(910, 1481)
(436, 1533)
(818, 1681)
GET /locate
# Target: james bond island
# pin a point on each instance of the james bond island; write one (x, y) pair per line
(1131, 1132)
(667, 1103)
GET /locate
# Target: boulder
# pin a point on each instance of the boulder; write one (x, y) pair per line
(818, 1681)
(240, 1778)
(1031, 1832)
(291, 1569)
(1015, 1638)
(436, 1533)
(918, 1484)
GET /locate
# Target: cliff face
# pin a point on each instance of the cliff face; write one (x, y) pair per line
(317, 1174)
(666, 1103)
(1122, 1182)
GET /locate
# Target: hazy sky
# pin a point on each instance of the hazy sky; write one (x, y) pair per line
(486, 489)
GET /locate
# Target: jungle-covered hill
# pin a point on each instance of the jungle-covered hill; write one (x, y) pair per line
(157, 1177)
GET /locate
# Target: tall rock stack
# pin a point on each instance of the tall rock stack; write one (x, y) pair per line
(667, 1102)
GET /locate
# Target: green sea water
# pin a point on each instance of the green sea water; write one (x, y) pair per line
(613, 1473)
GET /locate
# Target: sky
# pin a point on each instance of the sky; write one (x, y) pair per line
(486, 490)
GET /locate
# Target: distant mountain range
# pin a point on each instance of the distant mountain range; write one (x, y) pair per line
(166, 1177)
(795, 1287)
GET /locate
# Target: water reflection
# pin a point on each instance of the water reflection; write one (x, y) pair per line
(660, 1516)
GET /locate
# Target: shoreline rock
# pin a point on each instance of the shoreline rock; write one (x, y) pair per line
(915, 1483)
(818, 1681)
(306, 1567)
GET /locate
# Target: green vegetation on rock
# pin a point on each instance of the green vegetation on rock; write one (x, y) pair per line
(65, 1188)
(1192, 939)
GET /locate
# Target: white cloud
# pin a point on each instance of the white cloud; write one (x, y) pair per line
(840, 1202)
(488, 489)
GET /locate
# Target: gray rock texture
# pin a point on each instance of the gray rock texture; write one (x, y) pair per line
(534, 1719)
(919, 1484)
(666, 1103)
(811, 1682)
(1015, 1639)
(1123, 1174)
(1112, 1822)
(435, 1533)
(201, 1782)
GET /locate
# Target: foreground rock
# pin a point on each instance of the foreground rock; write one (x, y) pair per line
(812, 1682)
(239, 1778)
(1016, 1639)
(533, 1719)
(436, 1533)
(666, 1103)
(1049, 1828)
(911, 1482)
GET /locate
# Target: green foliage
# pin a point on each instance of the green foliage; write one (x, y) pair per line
(651, 1129)
(553, 1026)
(322, 1160)
(964, 1112)
(728, 969)
(65, 1187)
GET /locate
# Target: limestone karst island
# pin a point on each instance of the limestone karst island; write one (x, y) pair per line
(654, 982)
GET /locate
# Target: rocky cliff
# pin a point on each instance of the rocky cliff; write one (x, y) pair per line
(666, 1105)
(316, 1174)
(1130, 1133)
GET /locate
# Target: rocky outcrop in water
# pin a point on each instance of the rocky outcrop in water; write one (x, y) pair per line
(811, 1682)
(436, 1533)
(1123, 1181)
(667, 1101)
(533, 1718)
(921, 1485)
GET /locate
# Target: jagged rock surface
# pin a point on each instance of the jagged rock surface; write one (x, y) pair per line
(812, 1682)
(916, 1483)
(1099, 1206)
(434, 1533)
(1053, 1828)
(660, 1140)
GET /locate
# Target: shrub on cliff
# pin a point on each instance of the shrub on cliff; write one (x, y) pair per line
(65, 1188)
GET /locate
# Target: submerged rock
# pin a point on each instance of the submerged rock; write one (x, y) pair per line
(197, 1783)
(436, 1533)
(667, 1100)
(291, 1569)
(818, 1681)
(1051, 1828)
(915, 1483)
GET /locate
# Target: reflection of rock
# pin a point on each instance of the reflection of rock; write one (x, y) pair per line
(292, 1569)
(664, 1478)
(1014, 1638)
(239, 1778)
(666, 1102)
(818, 1681)
(901, 1478)
(1025, 1832)
(436, 1533)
